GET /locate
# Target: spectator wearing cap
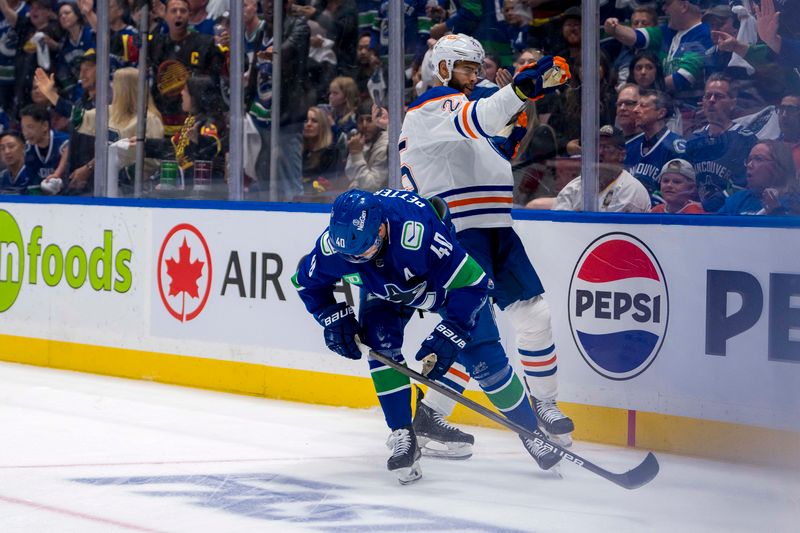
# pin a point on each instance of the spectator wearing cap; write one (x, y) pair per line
(619, 191)
(647, 152)
(571, 35)
(77, 39)
(87, 79)
(682, 43)
(678, 189)
(10, 12)
(772, 186)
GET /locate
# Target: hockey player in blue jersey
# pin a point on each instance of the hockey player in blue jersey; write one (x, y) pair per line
(397, 249)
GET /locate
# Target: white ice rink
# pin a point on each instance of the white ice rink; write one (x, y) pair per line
(83, 453)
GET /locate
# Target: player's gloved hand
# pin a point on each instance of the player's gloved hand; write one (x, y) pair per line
(446, 340)
(341, 328)
(534, 80)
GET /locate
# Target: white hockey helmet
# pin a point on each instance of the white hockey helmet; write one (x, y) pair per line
(452, 48)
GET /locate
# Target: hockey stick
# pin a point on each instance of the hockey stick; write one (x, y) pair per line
(632, 479)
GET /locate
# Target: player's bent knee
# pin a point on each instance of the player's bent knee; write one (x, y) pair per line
(532, 321)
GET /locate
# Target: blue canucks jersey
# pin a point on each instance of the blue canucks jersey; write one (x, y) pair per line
(719, 163)
(420, 265)
(645, 163)
(42, 162)
(18, 184)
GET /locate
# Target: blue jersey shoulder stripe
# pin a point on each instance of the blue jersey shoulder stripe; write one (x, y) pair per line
(475, 120)
(432, 93)
(485, 211)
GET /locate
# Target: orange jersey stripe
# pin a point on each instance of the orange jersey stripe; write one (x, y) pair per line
(426, 102)
(543, 363)
(481, 200)
(466, 122)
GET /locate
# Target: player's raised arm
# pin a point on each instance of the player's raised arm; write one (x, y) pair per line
(445, 113)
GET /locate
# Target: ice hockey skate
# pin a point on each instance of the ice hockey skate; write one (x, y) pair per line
(405, 455)
(544, 456)
(555, 424)
(436, 437)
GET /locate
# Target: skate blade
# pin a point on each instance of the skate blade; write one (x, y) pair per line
(410, 474)
(454, 451)
(564, 440)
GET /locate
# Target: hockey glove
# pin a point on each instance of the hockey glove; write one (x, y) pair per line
(446, 341)
(534, 80)
(341, 329)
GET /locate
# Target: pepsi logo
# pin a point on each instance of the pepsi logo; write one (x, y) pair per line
(618, 306)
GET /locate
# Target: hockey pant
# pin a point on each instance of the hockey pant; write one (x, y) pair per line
(518, 291)
(382, 325)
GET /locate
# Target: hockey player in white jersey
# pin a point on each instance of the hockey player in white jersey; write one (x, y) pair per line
(445, 151)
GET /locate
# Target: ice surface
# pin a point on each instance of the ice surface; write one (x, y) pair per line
(83, 453)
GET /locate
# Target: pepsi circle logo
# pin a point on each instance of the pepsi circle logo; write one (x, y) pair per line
(184, 272)
(618, 306)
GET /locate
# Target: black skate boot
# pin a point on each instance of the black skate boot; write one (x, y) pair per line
(405, 455)
(543, 454)
(552, 421)
(436, 437)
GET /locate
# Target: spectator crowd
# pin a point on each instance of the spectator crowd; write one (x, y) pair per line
(699, 100)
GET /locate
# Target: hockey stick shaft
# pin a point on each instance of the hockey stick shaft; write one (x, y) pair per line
(632, 479)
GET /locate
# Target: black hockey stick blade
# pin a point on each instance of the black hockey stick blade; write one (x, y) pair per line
(632, 479)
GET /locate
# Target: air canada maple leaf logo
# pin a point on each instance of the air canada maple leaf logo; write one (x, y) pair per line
(184, 272)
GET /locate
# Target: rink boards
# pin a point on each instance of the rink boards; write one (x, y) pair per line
(673, 337)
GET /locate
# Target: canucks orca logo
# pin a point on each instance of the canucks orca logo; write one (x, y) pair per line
(618, 306)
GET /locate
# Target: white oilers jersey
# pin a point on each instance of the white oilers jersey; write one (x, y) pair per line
(445, 151)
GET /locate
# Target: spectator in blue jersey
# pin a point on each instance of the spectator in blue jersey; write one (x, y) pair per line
(647, 153)
(518, 18)
(10, 12)
(123, 46)
(15, 178)
(772, 186)
(199, 19)
(77, 40)
(46, 151)
(719, 148)
(342, 102)
(682, 44)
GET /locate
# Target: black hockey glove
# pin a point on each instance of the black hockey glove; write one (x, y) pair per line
(534, 80)
(341, 328)
(446, 341)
